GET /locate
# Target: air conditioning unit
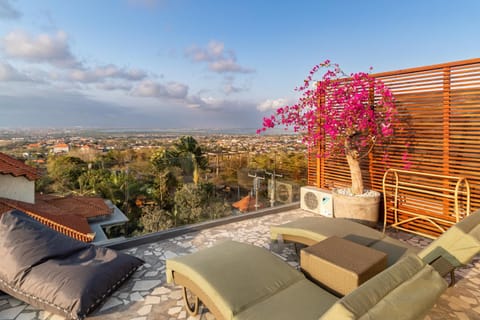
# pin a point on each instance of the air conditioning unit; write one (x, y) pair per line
(283, 192)
(316, 200)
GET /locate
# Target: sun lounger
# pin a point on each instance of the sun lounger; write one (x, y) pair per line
(311, 230)
(456, 247)
(240, 281)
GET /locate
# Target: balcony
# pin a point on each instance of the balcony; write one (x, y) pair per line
(147, 296)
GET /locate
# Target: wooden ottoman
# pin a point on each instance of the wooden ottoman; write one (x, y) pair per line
(341, 265)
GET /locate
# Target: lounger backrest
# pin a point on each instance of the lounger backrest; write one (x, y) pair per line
(458, 245)
(406, 290)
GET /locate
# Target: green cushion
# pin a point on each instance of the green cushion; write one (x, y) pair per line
(458, 245)
(235, 275)
(406, 290)
(302, 300)
(319, 228)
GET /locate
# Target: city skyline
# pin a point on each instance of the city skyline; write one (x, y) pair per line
(203, 64)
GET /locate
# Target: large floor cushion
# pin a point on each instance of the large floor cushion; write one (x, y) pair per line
(54, 272)
(244, 281)
(310, 230)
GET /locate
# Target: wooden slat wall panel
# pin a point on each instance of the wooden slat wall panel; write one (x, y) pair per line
(439, 111)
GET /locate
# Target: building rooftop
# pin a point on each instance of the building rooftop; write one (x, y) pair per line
(68, 215)
(146, 296)
(16, 168)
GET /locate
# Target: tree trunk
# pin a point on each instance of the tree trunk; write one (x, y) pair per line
(355, 173)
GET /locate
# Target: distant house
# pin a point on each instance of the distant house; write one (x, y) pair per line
(61, 148)
(86, 148)
(82, 218)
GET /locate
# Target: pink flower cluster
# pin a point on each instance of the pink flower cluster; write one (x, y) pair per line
(344, 112)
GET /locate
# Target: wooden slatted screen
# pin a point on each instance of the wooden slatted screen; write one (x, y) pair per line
(439, 133)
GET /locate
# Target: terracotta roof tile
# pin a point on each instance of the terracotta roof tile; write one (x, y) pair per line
(245, 204)
(67, 214)
(16, 168)
(87, 207)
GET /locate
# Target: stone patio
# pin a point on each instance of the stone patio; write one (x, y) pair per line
(146, 296)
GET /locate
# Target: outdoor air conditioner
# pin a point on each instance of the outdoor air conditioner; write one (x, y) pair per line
(316, 200)
(283, 192)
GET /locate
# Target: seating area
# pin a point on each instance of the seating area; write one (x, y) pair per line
(147, 295)
(239, 281)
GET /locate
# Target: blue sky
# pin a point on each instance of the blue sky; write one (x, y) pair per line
(204, 63)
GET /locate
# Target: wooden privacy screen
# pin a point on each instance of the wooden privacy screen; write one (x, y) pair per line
(439, 131)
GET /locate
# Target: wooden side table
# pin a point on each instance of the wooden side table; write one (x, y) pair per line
(341, 265)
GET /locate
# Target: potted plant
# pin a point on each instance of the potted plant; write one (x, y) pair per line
(349, 115)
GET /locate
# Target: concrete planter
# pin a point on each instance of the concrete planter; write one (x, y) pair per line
(363, 208)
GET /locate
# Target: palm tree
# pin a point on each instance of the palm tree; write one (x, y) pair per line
(187, 155)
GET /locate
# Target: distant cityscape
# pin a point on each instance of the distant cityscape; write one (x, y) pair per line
(25, 142)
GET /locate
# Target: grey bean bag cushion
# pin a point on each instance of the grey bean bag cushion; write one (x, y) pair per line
(54, 272)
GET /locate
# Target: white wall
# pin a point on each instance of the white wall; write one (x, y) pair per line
(17, 188)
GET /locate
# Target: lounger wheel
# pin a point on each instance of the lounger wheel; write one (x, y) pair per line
(192, 308)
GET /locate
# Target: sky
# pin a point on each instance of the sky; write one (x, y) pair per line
(166, 64)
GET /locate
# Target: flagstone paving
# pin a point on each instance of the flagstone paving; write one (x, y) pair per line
(146, 296)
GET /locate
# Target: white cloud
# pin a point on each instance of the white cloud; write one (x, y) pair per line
(149, 88)
(7, 11)
(8, 73)
(219, 60)
(99, 74)
(272, 104)
(227, 65)
(53, 49)
(114, 86)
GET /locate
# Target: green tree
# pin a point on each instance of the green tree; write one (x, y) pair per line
(188, 155)
(188, 204)
(155, 219)
(92, 181)
(65, 170)
(194, 203)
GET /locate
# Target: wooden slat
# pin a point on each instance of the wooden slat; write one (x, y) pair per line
(439, 112)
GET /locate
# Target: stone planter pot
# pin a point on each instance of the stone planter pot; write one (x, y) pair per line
(362, 208)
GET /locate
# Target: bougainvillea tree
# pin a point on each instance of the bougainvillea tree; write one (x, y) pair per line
(349, 115)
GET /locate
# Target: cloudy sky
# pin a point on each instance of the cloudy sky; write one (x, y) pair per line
(204, 63)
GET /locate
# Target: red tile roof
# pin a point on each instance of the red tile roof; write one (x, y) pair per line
(16, 168)
(68, 215)
(246, 204)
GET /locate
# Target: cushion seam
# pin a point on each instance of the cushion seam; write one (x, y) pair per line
(260, 300)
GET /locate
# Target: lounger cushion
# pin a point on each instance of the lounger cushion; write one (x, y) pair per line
(54, 272)
(302, 300)
(319, 228)
(407, 290)
(459, 244)
(235, 275)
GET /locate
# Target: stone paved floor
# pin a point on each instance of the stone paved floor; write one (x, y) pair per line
(146, 296)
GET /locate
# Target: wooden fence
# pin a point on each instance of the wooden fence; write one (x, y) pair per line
(439, 110)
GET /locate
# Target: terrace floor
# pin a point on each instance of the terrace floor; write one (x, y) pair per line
(146, 296)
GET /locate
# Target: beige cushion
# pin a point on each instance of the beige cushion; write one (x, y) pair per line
(302, 300)
(341, 265)
(319, 228)
(407, 290)
(235, 275)
(458, 245)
